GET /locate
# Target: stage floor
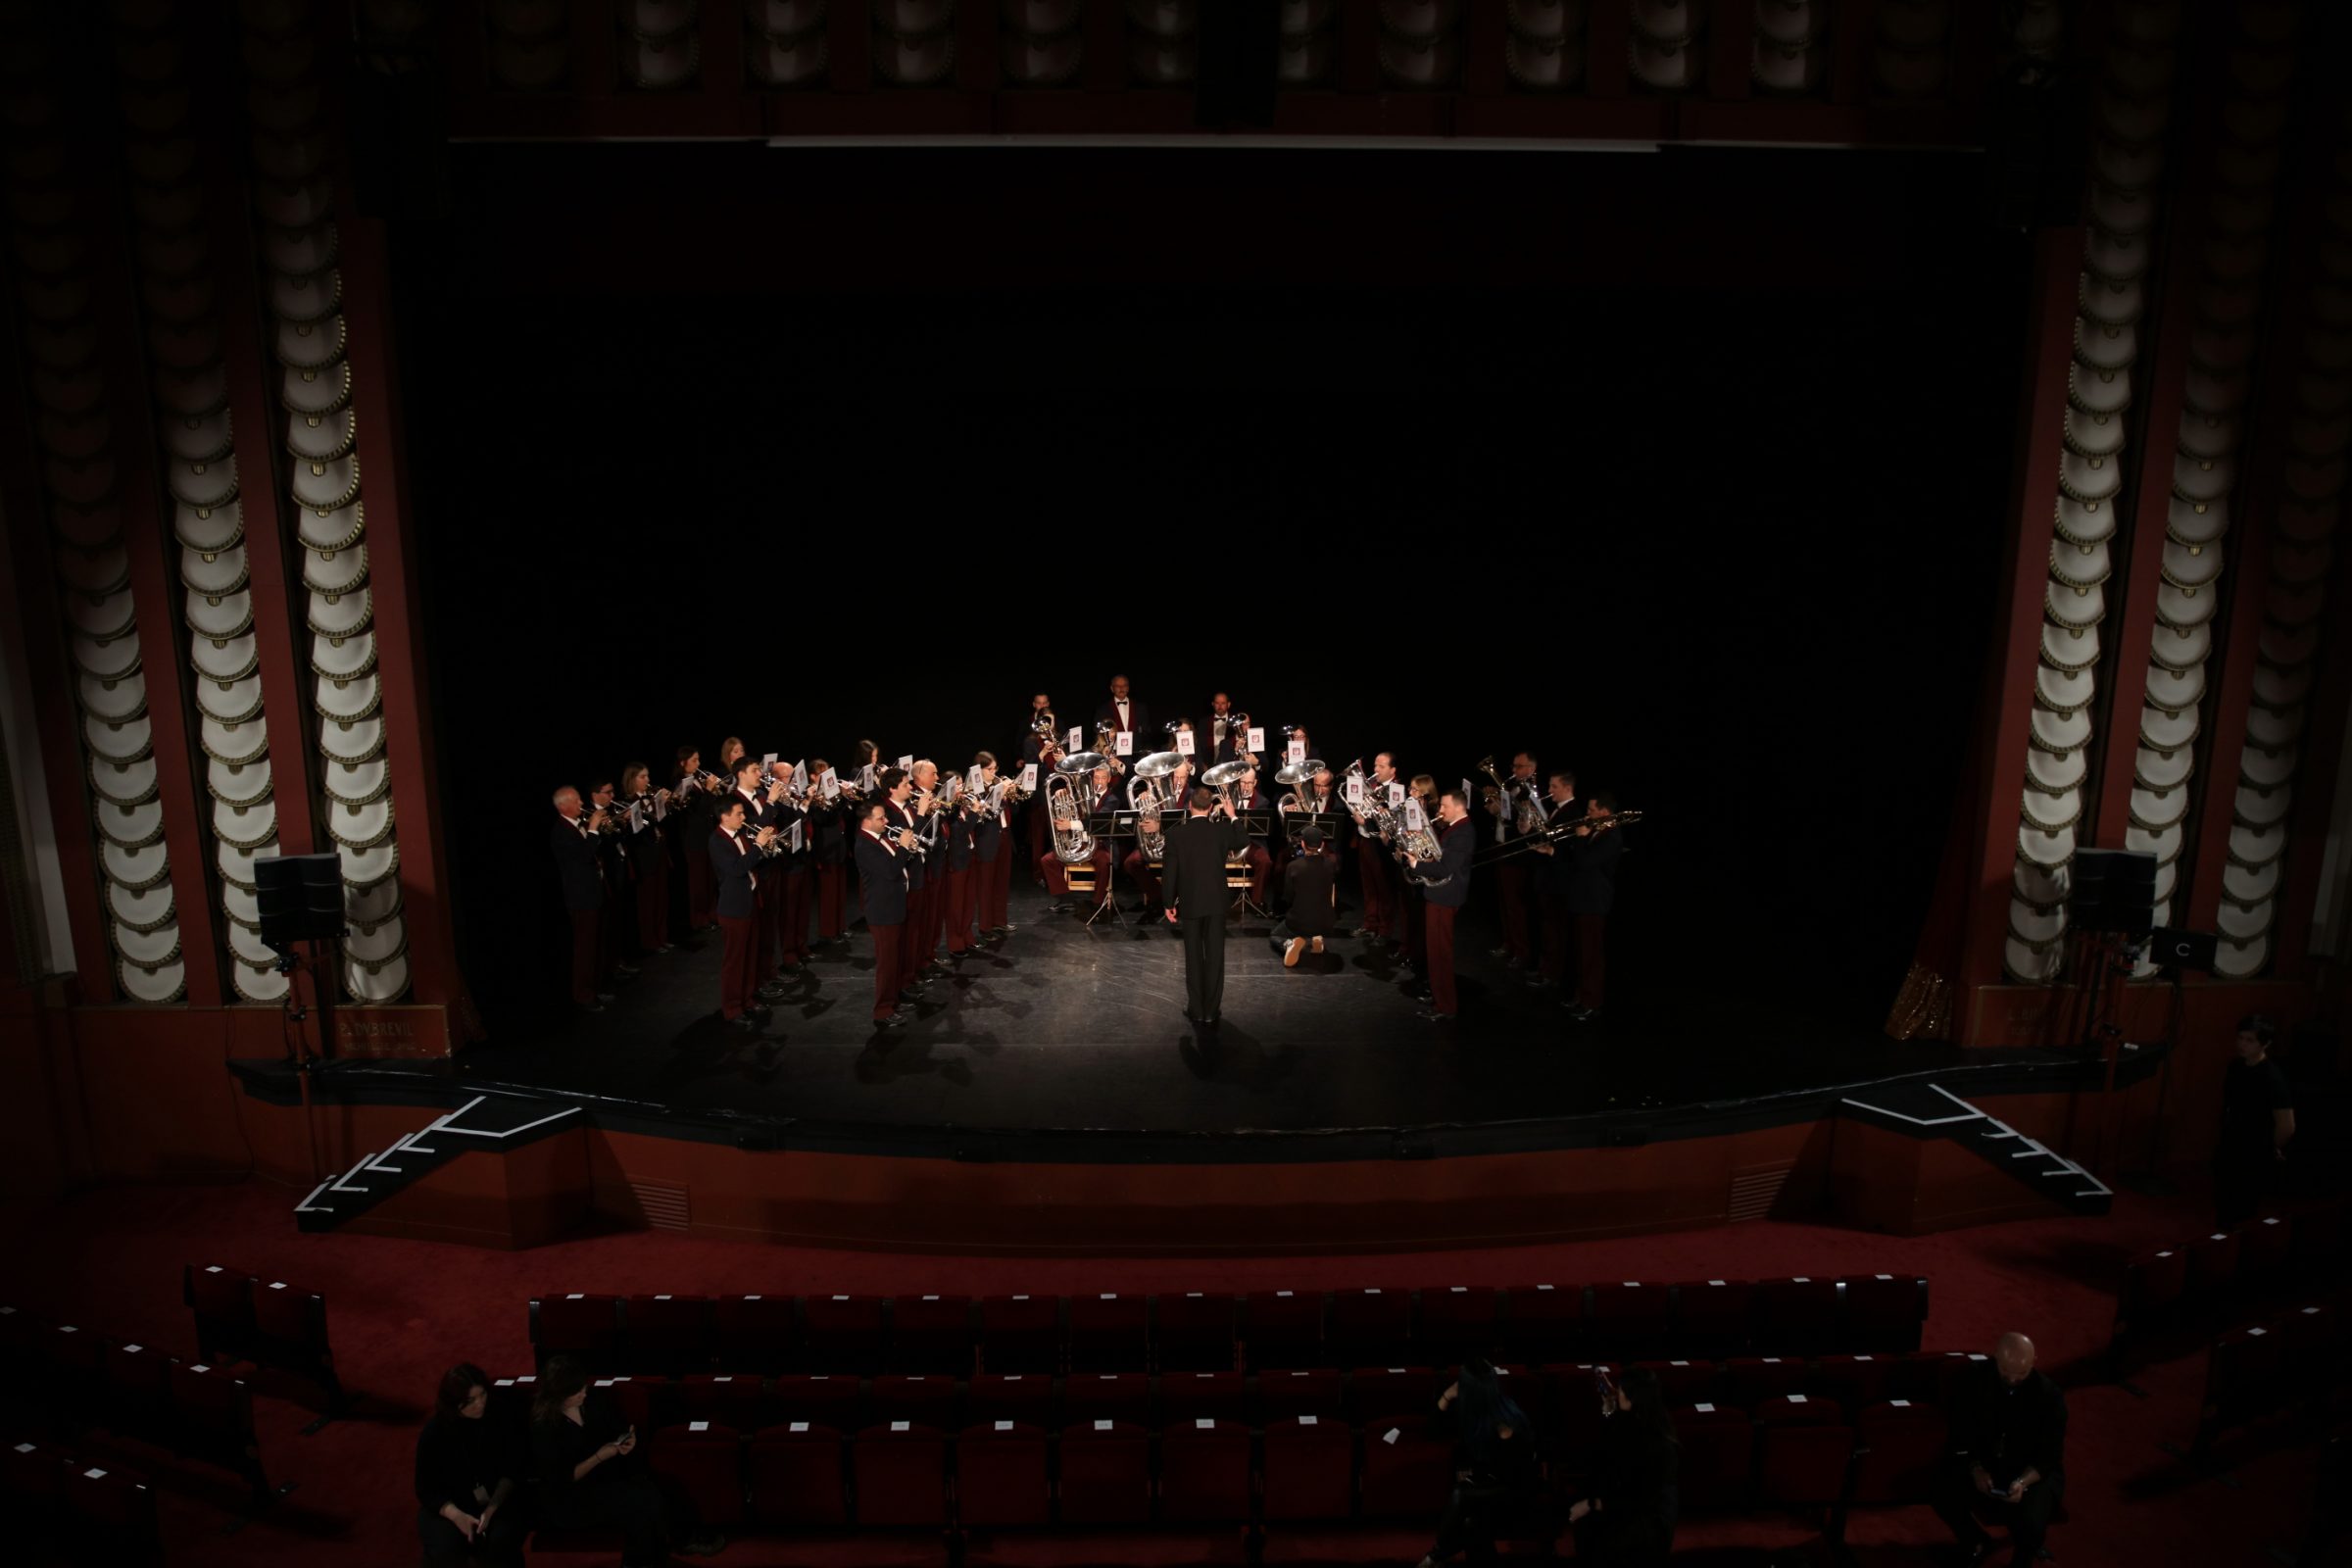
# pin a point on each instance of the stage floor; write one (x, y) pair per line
(1074, 1042)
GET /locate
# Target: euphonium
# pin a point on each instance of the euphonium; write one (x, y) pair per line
(1144, 797)
(1073, 845)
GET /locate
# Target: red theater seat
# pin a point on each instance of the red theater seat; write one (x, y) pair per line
(705, 1461)
(1918, 1377)
(1219, 1396)
(1109, 1331)
(1458, 1322)
(1710, 1318)
(840, 1333)
(1852, 1381)
(1106, 1474)
(1750, 1380)
(1797, 1316)
(1395, 1392)
(2316, 1242)
(1370, 1327)
(1309, 1469)
(818, 1399)
(1885, 1314)
(1023, 1396)
(1408, 1474)
(221, 1299)
(753, 1334)
(1282, 1327)
(2212, 1265)
(583, 1326)
(1718, 1462)
(726, 1398)
(1802, 1463)
(926, 1402)
(796, 1475)
(1904, 1443)
(1797, 1411)
(1685, 1382)
(634, 1397)
(112, 1514)
(1195, 1332)
(1283, 1395)
(1543, 1322)
(2263, 1248)
(1627, 1319)
(1094, 1396)
(664, 1334)
(901, 1477)
(136, 1384)
(1020, 1334)
(931, 1334)
(1003, 1481)
(1203, 1474)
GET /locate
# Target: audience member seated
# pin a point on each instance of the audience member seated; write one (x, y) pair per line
(589, 1476)
(466, 1472)
(1495, 1469)
(2007, 1456)
(1629, 1519)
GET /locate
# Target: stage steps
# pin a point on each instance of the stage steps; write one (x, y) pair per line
(488, 1123)
(1931, 1110)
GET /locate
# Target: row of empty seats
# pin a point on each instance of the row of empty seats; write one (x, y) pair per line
(243, 1317)
(1560, 1399)
(2294, 1361)
(61, 1377)
(1205, 1330)
(2199, 1282)
(61, 1508)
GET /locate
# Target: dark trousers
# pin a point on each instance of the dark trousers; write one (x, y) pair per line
(960, 905)
(633, 1503)
(832, 900)
(1959, 1505)
(995, 877)
(1592, 958)
(771, 918)
(584, 923)
(2239, 1181)
(653, 908)
(501, 1544)
(1283, 933)
(792, 925)
(1437, 923)
(1555, 933)
(738, 965)
(1204, 964)
(1469, 1524)
(888, 967)
(1414, 928)
(910, 933)
(1510, 886)
(935, 911)
(1146, 875)
(1372, 869)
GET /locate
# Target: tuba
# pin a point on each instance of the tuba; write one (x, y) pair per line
(1073, 845)
(1146, 799)
(1226, 779)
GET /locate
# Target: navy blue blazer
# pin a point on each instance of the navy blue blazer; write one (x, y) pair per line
(579, 863)
(737, 870)
(885, 874)
(1456, 843)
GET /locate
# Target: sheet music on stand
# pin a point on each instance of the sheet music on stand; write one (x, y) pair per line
(1331, 822)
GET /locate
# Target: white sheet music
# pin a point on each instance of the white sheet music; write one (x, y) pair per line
(637, 823)
(1395, 794)
(768, 760)
(792, 838)
(661, 808)
(866, 778)
(1414, 822)
(1354, 792)
(800, 774)
(1295, 752)
(832, 785)
(1125, 745)
(907, 762)
(972, 778)
(1077, 739)
(1184, 743)
(1029, 776)
(1255, 738)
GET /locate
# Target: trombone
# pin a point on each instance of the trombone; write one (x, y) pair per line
(1555, 833)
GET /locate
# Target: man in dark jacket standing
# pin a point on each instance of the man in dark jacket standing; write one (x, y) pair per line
(1588, 891)
(1445, 885)
(1192, 880)
(2007, 1456)
(579, 864)
(887, 858)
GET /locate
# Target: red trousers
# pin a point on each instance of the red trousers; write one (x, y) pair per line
(739, 966)
(911, 958)
(1372, 869)
(1041, 838)
(1057, 881)
(771, 918)
(1414, 920)
(1556, 935)
(702, 889)
(1510, 884)
(1261, 866)
(937, 909)
(889, 970)
(832, 900)
(793, 925)
(994, 875)
(1146, 876)
(1590, 957)
(583, 955)
(652, 904)
(1437, 919)
(961, 903)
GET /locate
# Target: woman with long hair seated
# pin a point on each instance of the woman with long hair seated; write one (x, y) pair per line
(467, 1465)
(1495, 1470)
(1629, 1519)
(588, 1479)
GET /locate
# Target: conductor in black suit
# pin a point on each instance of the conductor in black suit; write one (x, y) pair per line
(1192, 880)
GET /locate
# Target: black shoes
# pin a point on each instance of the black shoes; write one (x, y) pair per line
(1580, 1013)
(1065, 907)
(1540, 982)
(771, 992)
(891, 1022)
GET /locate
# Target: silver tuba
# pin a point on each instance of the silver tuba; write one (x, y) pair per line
(1226, 779)
(1146, 799)
(1073, 845)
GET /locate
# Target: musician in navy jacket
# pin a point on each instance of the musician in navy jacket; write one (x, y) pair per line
(1589, 891)
(735, 861)
(1445, 889)
(887, 858)
(579, 866)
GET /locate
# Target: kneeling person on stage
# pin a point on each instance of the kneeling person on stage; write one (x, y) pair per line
(1307, 881)
(886, 857)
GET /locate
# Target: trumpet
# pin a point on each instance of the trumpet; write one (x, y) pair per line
(1041, 726)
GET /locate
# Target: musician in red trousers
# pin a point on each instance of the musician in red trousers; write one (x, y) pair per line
(642, 841)
(992, 848)
(1179, 788)
(1444, 884)
(1094, 797)
(735, 861)
(829, 826)
(887, 858)
(901, 811)
(1373, 865)
(960, 901)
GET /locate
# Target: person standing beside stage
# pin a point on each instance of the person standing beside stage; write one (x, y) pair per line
(579, 864)
(735, 858)
(1192, 880)
(2258, 1121)
(1444, 884)
(887, 858)
(1307, 881)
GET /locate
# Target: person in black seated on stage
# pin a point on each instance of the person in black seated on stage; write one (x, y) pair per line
(1308, 881)
(590, 1478)
(2006, 1454)
(887, 858)
(735, 861)
(466, 1467)
(1495, 1469)
(1628, 1518)
(1192, 879)
(579, 864)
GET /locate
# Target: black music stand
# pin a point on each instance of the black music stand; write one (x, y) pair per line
(1109, 827)
(1298, 822)
(1256, 825)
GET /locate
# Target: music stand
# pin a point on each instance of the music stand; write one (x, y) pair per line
(1109, 827)
(1256, 826)
(1295, 825)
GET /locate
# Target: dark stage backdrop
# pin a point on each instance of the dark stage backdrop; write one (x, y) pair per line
(1728, 552)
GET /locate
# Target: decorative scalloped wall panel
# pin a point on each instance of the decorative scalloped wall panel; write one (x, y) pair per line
(326, 443)
(73, 439)
(174, 265)
(2222, 303)
(2128, 114)
(2303, 533)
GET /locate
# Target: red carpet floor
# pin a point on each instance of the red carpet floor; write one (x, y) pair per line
(401, 1310)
